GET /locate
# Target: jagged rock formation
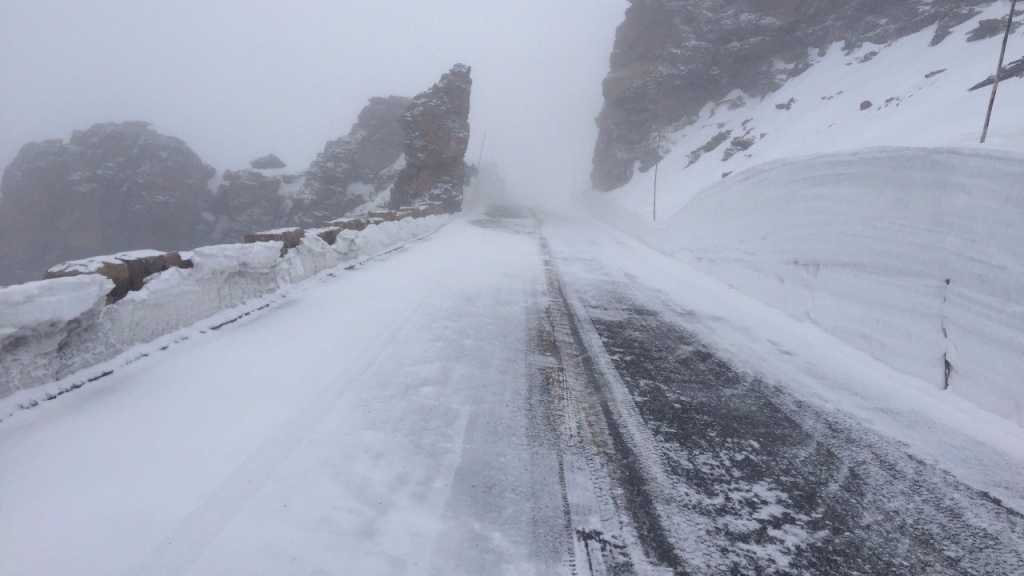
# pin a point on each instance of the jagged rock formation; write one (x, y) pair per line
(268, 162)
(436, 127)
(111, 188)
(354, 168)
(672, 57)
(121, 187)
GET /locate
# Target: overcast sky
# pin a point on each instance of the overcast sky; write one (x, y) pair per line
(237, 79)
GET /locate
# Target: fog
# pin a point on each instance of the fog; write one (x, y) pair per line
(238, 79)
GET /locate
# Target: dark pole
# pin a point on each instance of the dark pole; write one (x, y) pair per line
(655, 207)
(481, 157)
(999, 70)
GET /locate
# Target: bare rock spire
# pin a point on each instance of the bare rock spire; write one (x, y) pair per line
(436, 126)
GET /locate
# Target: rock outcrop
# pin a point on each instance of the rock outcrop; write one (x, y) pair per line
(111, 188)
(268, 162)
(120, 187)
(355, 168)
(672, 57)
(436, 127)
(127, 271)
(248, 200)
(288, 237)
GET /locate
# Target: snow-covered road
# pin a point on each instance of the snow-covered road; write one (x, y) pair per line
(510, 397)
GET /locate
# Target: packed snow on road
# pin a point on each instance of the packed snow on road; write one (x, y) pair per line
(521, 392)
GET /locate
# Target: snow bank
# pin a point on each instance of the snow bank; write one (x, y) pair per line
(862, 244)
(53, 328)
(37, 318)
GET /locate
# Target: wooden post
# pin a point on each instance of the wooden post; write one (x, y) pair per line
(999, 70)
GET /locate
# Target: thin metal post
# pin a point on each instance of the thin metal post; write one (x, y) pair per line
(999, 70)
(655, 206)
(481, 158)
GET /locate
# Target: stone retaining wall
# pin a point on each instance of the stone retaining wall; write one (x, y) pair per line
(89, 311)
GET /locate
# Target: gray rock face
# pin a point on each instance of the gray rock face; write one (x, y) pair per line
(288, 237)
(268, 162)
(127, 271)
(247, 200)
(672, 57)
(353, 168)
(111, 188)
(436, 127)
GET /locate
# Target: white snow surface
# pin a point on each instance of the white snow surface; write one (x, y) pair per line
(224, 277)
(93, 264)
(323, 435)
(133, 254)
(35, 317)
(375, 422)
(862, 244)
(85, 265)
(46, 302)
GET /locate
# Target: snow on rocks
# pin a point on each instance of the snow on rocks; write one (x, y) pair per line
(50, 330)
(127, 270)
(108, 266)
(289, 237)
(920, 96)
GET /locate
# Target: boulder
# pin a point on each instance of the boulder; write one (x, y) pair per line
(109, 267)
(127, 270)
(328, 235)
(144, 263)
(268, 162)
(356, 224)
(290, 237)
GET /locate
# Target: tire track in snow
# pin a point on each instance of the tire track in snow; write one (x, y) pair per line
(608, 495)
(776, 486)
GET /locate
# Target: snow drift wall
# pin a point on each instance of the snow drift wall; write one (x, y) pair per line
(53, 328)
(863, 244)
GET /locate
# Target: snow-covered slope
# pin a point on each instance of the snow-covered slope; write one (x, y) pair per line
(789, 199)
(919, 96)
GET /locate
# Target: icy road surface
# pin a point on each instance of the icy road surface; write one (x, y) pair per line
(516, 394)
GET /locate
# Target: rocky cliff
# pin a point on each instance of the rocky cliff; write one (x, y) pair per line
(436, 126)
(353, 169)
(111, 188)
(121, 187)
(672, 57)
(250, 200)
